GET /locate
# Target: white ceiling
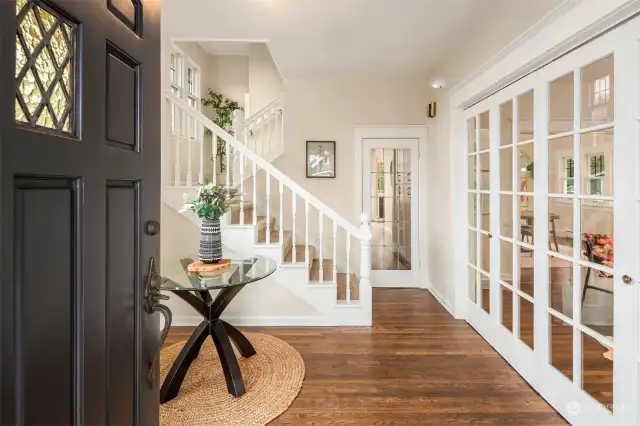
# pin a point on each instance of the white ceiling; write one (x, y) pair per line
(337, 37)
(225, 48)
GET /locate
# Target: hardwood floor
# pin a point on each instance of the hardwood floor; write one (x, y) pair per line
(415, 366)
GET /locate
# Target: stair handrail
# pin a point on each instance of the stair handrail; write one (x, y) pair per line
(264, 109)
(362, 233)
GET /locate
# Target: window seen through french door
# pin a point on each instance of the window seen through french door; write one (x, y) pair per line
(552, 235)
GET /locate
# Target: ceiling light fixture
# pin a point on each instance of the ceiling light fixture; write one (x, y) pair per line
(438, 85)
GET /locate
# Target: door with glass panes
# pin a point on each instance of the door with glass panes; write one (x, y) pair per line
(553, 206)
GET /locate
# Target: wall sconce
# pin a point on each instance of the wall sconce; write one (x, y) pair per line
(431, 111)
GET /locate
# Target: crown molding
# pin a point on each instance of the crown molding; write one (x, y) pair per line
(611, 19)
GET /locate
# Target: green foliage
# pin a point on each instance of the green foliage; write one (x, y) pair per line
(224, 109)
(380, 176)
(211, 202)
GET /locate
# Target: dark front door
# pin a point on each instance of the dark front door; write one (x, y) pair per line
(80, 179)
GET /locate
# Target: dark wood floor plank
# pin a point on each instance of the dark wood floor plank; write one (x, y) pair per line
(415, 366)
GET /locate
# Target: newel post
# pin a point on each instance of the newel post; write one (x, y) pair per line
(365, 264)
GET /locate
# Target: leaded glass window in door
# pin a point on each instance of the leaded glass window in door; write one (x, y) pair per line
(45, 68)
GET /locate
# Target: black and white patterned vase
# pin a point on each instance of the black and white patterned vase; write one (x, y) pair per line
(210, 241)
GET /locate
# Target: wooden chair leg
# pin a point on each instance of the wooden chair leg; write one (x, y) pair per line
(586, 285)
(553, 234)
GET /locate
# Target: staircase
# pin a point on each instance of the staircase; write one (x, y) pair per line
(323, 260)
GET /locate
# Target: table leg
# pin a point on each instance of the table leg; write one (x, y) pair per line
(230, 367)
(245, 347)
(220, 331)
(189, 352)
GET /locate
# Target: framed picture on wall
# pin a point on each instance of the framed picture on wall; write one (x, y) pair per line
(321, 159)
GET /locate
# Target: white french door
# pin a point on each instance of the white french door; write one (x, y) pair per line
(390, 177)
(553, 201)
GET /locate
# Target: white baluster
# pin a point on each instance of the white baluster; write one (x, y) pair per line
(177, 170)
(189, 171)
(281, 141)
(241, 189)
(260, 124)
(293, 235)
(214, 151)
(348, 268)
(281, 219)
(201, 172)
(255, 199)
(226, 156)
(365, 253)
(268, 235)
(335, 252)
(306, 233)
(269, 130)
(321, 235)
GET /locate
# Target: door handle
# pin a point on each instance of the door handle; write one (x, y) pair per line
(627, 279)
(151, 305)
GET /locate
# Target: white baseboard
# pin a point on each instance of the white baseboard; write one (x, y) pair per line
(444, 302)
(311, 321)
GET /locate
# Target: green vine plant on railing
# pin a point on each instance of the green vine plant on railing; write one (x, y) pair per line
(224, 109)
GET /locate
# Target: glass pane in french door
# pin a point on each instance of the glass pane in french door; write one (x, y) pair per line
(390, 182)
(478, 207)
(580, 238)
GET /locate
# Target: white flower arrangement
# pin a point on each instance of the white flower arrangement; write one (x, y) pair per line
(211, 201)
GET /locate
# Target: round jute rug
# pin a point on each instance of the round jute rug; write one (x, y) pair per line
(272, 378)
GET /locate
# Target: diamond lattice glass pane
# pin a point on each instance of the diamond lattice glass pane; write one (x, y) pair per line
(30, 31)
(45, 69)
(30, 92)
(21, 57)
(59, 46)
(48, 20)
(66, 77)
(58, 101)
(45, 119)
(20, 4)
(19, 113)
(47, 85)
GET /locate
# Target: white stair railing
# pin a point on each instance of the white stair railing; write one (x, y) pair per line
(263, 131)
(237, 149)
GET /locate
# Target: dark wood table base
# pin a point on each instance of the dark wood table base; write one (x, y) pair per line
(222, 334)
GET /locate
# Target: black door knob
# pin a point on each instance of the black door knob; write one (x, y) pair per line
(153, 227)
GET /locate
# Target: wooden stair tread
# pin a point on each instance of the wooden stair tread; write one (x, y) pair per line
(353, 286)
(300, 254)
(327, 270)
(341, 279)
(274, 236)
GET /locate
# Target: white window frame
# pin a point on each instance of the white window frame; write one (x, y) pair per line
(589, 177)
(192, 97)
(601, 91)
(183, 64)
(564, 177)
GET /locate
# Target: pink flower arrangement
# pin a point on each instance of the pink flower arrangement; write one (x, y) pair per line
(601, 250)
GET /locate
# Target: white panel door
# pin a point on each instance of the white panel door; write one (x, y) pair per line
(390, 197)
(553, 201)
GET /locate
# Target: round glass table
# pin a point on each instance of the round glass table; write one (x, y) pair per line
(194, 289)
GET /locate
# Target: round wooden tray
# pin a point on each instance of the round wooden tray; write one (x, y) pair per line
(198, 267)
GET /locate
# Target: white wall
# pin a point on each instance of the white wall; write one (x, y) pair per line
(486, 42)
(228, 75)
(265, 82)
(327, 109)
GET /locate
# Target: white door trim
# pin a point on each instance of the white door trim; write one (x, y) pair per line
(419, 132)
